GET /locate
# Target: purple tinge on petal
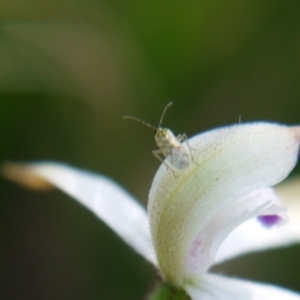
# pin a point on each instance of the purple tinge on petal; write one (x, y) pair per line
(196, 245)
(269, 220)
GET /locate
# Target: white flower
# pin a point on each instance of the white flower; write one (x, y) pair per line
(219, 207)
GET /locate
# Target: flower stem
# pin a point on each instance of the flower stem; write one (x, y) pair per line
(166, 292)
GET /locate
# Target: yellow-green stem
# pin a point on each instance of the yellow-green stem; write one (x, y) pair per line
(165, 292)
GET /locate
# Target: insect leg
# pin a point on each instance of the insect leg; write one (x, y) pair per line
(157, 153)
(183, 138)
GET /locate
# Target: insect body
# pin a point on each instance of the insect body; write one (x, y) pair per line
(169, 145)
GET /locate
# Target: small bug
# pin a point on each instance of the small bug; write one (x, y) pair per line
(169, 145)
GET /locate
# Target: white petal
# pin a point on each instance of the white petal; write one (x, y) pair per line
(102, 196)
(251, 236)
(214, 287)
(230, 162)
(260, 202)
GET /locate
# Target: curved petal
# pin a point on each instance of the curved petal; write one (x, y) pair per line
(257, 203)
(251, 236)
(229, 163)
(214, 287)
(102, 196)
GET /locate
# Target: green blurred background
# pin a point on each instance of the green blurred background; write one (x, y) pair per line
(69, 71)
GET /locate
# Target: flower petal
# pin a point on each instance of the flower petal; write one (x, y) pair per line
(214, 287)
(102, 196)
(251, 236)
(230, 162)
(257, 203)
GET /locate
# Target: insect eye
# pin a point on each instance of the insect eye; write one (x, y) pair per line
(161, 132)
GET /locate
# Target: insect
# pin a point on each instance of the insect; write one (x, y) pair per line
(169, 145)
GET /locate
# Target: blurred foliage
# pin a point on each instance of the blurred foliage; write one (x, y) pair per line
(70, 69)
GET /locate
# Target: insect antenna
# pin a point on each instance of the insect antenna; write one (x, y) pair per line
(163, 113)
(141, 121)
